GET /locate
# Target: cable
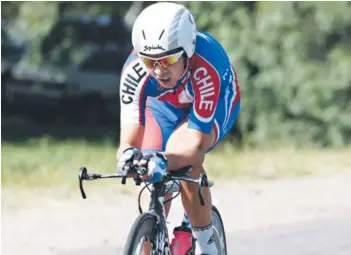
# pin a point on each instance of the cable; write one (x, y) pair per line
(165, 202)
(168, 200)
(139, 196)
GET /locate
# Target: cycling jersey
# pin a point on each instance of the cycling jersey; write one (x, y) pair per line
(208, 79)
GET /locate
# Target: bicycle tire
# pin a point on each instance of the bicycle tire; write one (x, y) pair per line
(217, 219)
(143, 226)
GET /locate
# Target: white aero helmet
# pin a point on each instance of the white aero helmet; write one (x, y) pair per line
(162, 28)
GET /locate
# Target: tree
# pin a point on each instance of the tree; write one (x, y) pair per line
(293, 61)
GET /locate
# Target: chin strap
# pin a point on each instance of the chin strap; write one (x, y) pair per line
(186, 74)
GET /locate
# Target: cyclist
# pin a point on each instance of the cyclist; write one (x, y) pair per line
(179, 97)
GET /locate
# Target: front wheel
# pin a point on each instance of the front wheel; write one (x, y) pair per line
(219, 232)
(142, 235)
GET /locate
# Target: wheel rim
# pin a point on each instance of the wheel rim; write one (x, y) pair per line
(140, 246)
(218, 232)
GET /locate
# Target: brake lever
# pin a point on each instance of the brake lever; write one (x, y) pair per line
(126, 168)
(202, 202)
(82, 175)
(140, 170)
(203, 182)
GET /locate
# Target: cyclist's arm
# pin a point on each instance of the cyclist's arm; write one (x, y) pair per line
(133, 95)
(131, 136)
(192, 143)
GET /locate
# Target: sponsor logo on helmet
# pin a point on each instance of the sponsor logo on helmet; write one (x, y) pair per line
(191, 19)
(153, 47)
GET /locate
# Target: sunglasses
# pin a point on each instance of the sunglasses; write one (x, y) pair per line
(164, 61)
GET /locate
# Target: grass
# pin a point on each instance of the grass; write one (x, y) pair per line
(276, 162)
(45, 162)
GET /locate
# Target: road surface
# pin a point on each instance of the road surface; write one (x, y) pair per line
(304, 216)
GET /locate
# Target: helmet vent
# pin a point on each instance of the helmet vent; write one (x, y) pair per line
(161, 34)
(191, 19)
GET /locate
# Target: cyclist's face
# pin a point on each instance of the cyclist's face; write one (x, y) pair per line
(168, 76)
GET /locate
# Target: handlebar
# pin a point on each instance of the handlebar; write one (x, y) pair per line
(202, 181)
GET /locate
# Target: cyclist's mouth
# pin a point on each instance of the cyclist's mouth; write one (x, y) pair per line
(165, 81)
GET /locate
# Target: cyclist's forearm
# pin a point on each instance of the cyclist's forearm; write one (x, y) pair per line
(121, 148)
(131, 136)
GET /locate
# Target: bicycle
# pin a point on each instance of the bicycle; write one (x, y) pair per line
(151, 225)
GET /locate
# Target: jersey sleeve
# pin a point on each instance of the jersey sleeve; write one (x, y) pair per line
(132, 92)
(206, 83)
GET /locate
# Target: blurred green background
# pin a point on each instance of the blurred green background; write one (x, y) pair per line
(60, 75)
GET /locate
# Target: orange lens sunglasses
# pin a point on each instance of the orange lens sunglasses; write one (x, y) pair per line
(164, 61)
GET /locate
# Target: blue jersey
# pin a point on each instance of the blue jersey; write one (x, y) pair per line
(208, 78)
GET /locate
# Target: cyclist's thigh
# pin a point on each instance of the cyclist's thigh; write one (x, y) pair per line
(227, 112)
(161, 119)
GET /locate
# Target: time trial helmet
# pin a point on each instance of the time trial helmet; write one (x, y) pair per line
(164, 28)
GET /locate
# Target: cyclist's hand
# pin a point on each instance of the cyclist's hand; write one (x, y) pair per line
(129, 155)
(156, 165)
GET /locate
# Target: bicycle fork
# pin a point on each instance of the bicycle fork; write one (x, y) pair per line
(156, 207)
(163, 244)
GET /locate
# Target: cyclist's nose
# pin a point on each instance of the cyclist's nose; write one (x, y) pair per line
(159, 70)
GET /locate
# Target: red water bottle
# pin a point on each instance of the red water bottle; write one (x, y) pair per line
(182, 241)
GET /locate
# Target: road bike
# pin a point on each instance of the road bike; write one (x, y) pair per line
(150, 227)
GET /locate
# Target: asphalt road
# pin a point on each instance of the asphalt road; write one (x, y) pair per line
(291, 217)
(318, 237)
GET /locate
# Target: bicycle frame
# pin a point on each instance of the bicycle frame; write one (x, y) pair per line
(158, 192)
(156, 207)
